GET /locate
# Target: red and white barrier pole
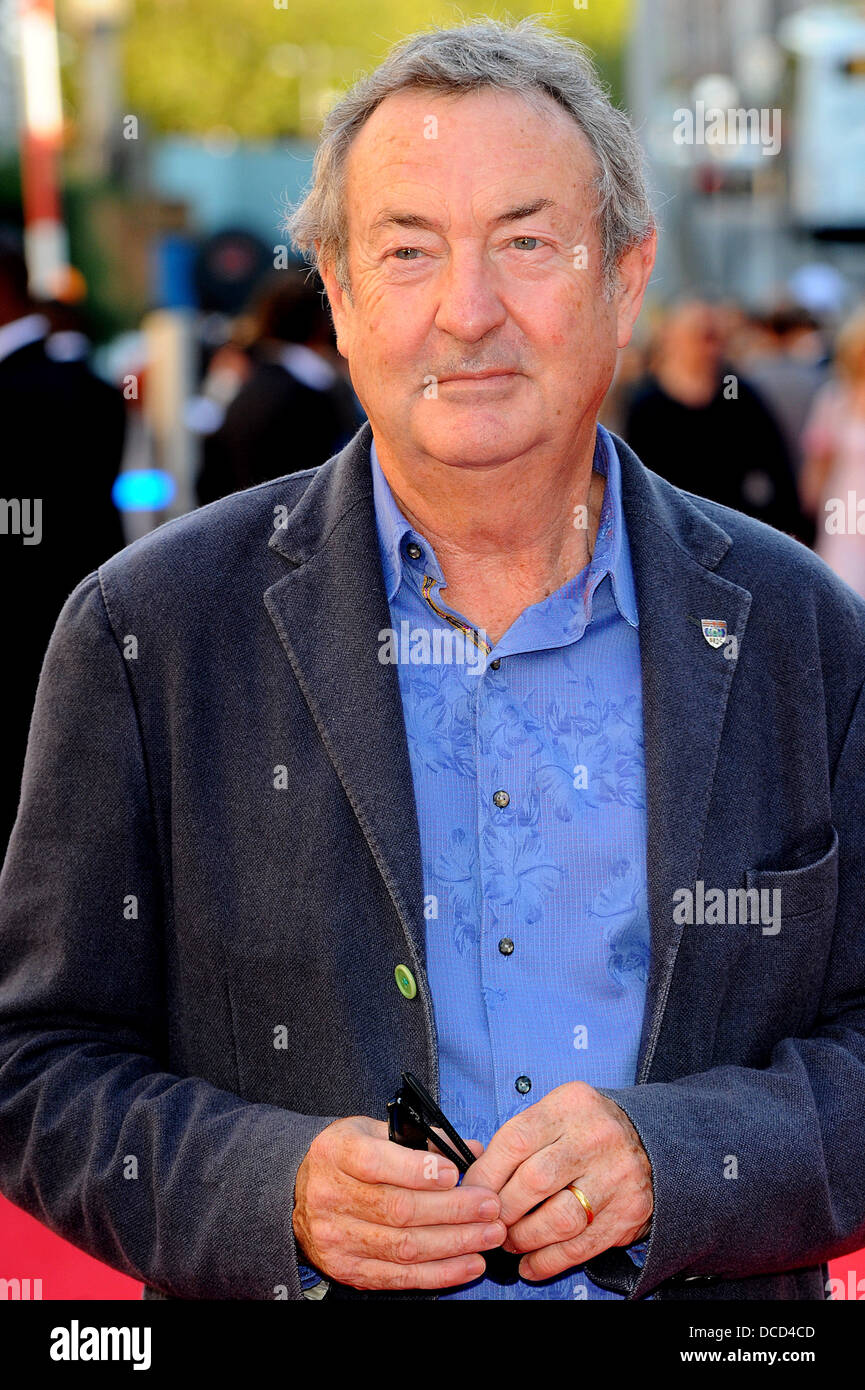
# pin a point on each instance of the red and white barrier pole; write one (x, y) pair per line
(45, 241)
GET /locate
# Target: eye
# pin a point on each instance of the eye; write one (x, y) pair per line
(408, 251)
(534, 239)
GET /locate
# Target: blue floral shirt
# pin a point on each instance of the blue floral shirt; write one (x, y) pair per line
(528, 767)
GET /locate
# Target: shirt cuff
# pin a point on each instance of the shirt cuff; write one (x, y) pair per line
(312, 1282)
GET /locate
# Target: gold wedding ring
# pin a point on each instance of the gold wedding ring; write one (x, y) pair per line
(583, 1201)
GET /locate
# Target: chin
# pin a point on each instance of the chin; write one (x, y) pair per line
(474, 444)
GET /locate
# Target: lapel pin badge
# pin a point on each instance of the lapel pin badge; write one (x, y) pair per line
(714, 631)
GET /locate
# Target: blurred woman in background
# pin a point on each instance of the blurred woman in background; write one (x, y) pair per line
(833, 479)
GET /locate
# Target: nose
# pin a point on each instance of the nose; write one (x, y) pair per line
(469, 304)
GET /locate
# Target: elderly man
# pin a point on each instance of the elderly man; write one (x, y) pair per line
(479, 752)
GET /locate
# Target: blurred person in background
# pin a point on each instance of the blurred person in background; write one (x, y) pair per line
(788, 370)
(63, 431)
(698, 424)
(735, 327)
(295, 402)
(833, 478)
(68, 339)
(632, 367)
(226, 371)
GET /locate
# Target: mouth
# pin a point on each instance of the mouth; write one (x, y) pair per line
(495, 374)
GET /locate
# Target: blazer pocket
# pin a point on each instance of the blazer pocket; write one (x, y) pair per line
(804, 891)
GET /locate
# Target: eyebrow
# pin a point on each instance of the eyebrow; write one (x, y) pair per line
(391, 217)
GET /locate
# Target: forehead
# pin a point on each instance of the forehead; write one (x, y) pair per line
(481, 142)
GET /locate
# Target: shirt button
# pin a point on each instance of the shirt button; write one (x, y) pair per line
(405, 981)
(506, 946)
(523, 1084)
(413, 550)
(494, 665)
(501, 799)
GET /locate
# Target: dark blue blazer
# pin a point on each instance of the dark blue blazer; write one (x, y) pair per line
(216, 868)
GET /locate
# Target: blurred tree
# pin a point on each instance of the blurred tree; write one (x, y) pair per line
(226, 70)
(272, 67)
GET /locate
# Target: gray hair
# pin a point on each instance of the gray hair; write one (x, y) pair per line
(524, 57)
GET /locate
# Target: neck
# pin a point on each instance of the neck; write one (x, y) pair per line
(505, 535)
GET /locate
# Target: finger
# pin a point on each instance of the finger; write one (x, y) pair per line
(402, 1206)
(561, 1218)
(613, 1194)
(436, 1274)
(541, 1176)
(419, 1244)
(556, 1259)
(511, 1145)
(373, 1160)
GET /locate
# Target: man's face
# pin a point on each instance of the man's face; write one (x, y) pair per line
(693, 336)
(473, 249)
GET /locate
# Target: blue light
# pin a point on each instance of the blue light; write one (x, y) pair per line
(143, 490)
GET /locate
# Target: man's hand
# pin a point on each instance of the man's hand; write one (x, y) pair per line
(572, 1135)
(374, 1215)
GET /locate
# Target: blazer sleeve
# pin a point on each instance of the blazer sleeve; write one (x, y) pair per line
(165, 1177)
(794, 1126)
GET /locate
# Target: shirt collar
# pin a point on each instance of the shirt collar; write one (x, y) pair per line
(611, 554)
(395, 533)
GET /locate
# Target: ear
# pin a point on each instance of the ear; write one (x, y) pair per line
(340, 305)
(634, 270)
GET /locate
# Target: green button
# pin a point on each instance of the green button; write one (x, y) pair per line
(406, 981)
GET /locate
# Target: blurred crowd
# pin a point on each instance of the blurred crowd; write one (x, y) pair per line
(275, 397)
(763, 412)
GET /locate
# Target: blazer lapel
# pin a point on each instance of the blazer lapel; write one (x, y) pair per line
(328, 611)
(686, 686)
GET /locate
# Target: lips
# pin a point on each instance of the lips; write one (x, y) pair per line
(494, 374)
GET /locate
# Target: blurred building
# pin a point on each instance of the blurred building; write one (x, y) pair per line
(744, 209)
(8, 78)
(226, 182)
